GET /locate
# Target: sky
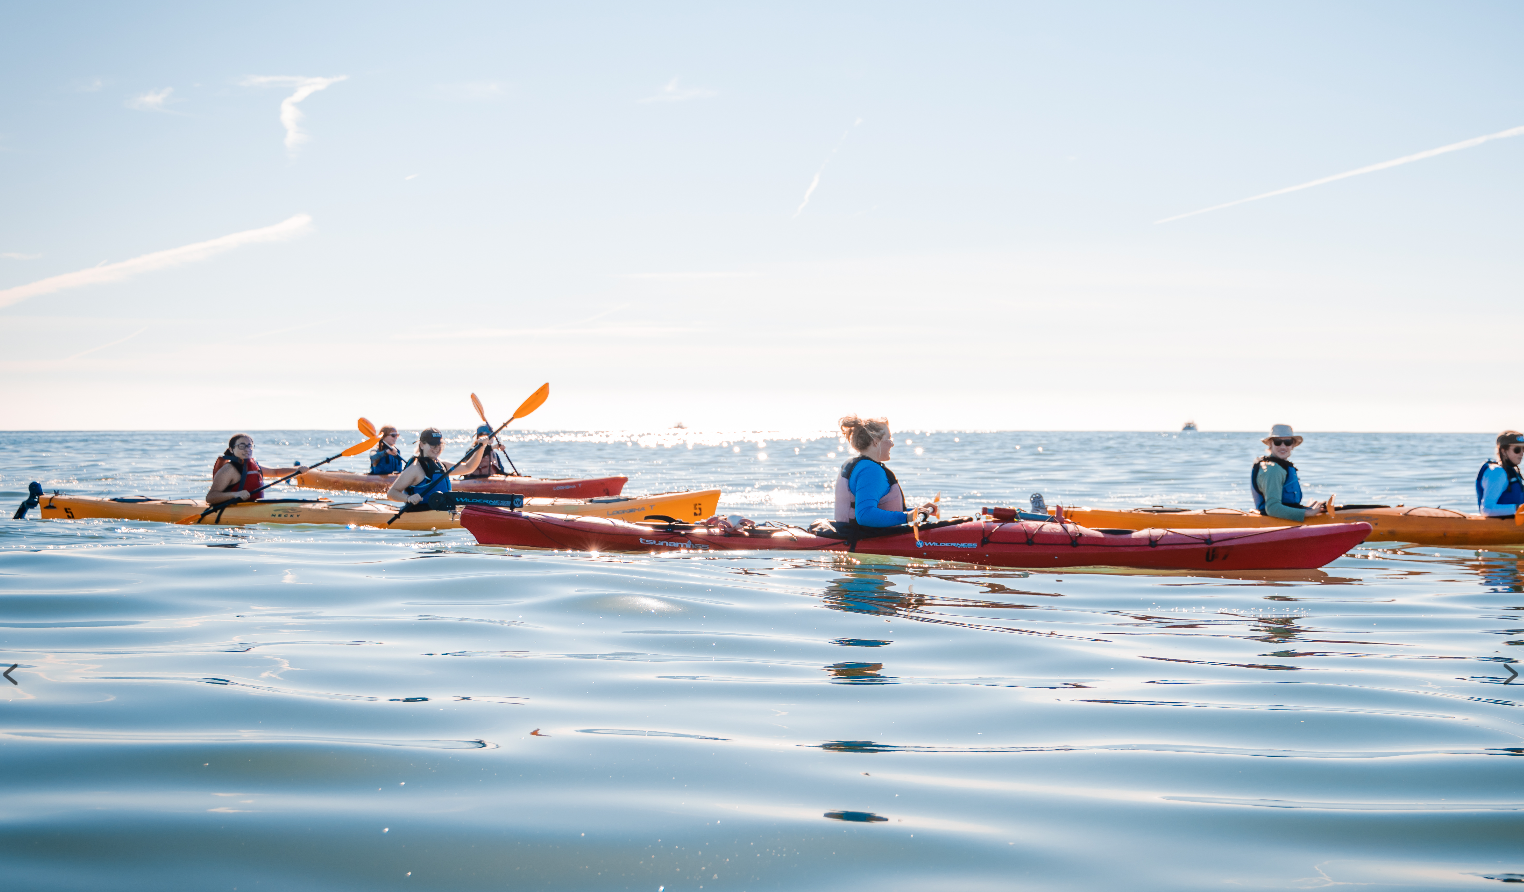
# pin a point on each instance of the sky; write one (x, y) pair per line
(957, 215)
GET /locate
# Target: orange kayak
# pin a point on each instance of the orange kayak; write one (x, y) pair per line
(535, 487)
(1421, 526)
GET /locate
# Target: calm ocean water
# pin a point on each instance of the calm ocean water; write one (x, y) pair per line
(301, 708)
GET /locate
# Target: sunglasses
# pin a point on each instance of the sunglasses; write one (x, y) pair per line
(1516, 450)
(1283, 441)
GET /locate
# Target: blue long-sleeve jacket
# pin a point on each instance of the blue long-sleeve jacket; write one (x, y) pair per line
(869, 483)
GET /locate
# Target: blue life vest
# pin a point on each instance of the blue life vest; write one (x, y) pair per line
(1291, 493)
(435, 479)
(1513, 495)
(385, 461)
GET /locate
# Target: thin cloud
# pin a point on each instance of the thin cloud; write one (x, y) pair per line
(153, 100)
(672, 276)
(474, 91)
(116, 272)
(89, 85)
(816, 181)
(673, 93)
(1406, 159)
(12, 255)
(105, 345)
(290, 115)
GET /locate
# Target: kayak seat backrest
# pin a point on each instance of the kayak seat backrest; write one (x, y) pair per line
(1117, 532)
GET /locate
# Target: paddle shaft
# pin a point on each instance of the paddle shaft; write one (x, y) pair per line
(253, 492)
(482, 414)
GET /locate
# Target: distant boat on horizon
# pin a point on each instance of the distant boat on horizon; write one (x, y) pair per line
(1188, 426)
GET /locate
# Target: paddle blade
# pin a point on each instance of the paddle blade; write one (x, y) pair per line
(360, 447)
(480, 412)
(1329, 505)
(535, 401)
(1518, 516)
(366, 427)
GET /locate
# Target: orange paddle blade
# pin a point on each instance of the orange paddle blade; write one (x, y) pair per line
(366, 427)
(358, 448)
(535, 401)
(480, 412)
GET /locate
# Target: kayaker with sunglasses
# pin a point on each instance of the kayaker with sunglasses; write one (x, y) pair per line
(490, 463)
(1499, 487)
(386, 459)
(236, 476)
(425, 475)
(1273, 480)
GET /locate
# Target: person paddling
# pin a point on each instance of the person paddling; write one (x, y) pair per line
(867, 493)
(236, 476)
(387, 459)
(1499, 486)
(489, 464)
(425, 475)
(1273, 479)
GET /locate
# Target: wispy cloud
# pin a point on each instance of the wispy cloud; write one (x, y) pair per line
(816, 182)
(290, 115)
(673, 93)
(12, 255)
(90, 85)
(116, 272)
(105, 345)
(153, 100)
(473, 91)
(1406, 159)
(673, 276)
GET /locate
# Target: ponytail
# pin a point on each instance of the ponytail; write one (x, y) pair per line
(863, 433)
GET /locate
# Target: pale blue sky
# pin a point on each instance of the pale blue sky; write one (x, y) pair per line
(609, 198)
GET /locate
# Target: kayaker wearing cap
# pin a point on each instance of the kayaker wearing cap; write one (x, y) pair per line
(387, 459)
(236, 475)
(867, 493)
(489, 464)
(1499, 488)
(425, 475)
(1273, 480)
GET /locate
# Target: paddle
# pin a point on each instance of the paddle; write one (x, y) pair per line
(366, 428)
(535, 401)
(482, 413)
(915, 518)
(1329, 505)
(1518, 516)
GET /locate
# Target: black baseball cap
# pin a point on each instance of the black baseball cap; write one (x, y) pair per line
(431, 436)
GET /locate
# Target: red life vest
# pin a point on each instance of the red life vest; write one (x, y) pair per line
(253, 478)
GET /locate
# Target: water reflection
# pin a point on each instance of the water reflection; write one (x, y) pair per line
(858, 673)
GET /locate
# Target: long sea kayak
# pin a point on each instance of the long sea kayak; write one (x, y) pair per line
(540, 487)
(682, 505)
(1018, 544)
(1421, 526)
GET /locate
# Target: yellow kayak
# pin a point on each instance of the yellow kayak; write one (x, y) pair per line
(1419, 525)
(686, 506)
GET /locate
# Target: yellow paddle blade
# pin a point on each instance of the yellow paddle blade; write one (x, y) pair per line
(480, 412)
(1518, 516)
(366, 427)
(535, 401)
(358, 448)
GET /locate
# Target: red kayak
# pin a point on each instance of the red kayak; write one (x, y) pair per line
(538, 487)
(1014, 544)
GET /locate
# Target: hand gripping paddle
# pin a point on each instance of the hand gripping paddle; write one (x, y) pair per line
(371, 439)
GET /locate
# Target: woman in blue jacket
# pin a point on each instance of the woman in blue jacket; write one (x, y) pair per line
(1499, 488)
(867, 492)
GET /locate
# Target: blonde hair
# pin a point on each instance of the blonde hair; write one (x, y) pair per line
(862, 433)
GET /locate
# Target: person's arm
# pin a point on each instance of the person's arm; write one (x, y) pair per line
(410, 475)
(226, 476)
(869, 483)
(1272, 479)
(1494, 484)
(469, 464)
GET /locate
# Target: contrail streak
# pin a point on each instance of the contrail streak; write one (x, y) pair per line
(105, 345)
(1453, 147)
(115, 272)
(816, 182)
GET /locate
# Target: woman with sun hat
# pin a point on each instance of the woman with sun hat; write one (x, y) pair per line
(1273, 479)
